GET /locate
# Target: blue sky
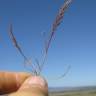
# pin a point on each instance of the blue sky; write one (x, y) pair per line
(74, 43)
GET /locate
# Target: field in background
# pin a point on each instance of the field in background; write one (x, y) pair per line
(86, 91)
(75, 91)
(79, 93)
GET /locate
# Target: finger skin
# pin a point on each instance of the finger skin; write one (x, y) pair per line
(11, 81)
(33, 86)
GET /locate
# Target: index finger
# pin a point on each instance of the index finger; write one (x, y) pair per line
(11, 81)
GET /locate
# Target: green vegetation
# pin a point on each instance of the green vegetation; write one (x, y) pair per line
(84, 91)
(75, 93)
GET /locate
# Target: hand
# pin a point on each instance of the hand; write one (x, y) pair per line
(22, 84)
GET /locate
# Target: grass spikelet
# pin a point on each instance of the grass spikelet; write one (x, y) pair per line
(17, 46)
(15, 43)
(56, 23)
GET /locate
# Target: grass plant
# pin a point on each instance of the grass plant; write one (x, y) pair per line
(58, 20)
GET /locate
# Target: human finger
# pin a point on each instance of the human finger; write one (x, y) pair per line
(33, 86)
(11, 81)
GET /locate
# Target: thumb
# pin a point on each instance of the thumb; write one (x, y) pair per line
(33, 86)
